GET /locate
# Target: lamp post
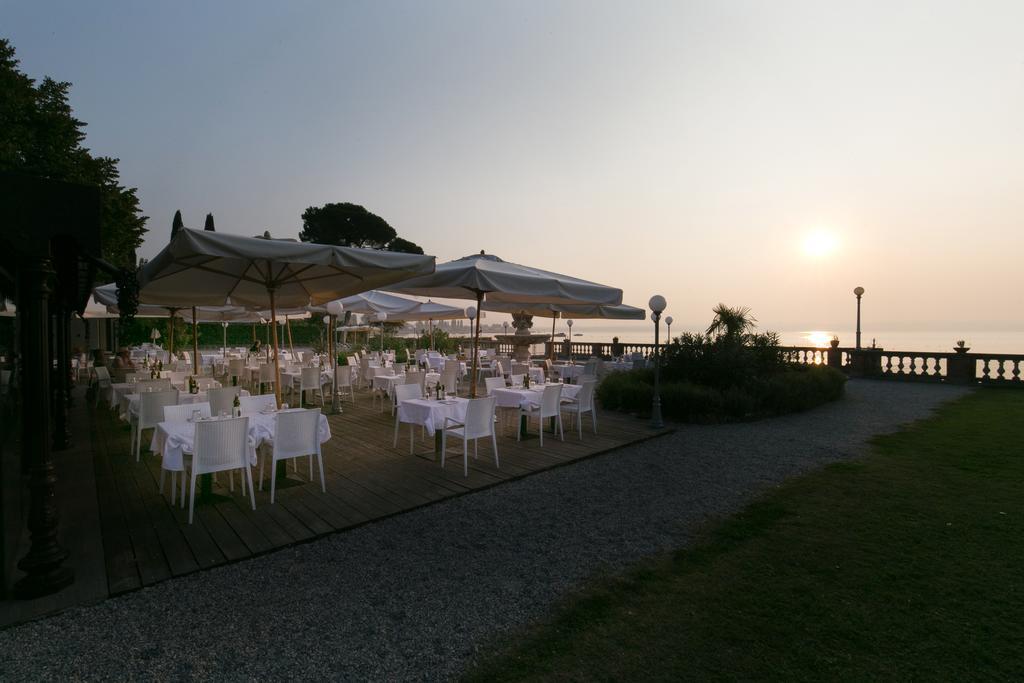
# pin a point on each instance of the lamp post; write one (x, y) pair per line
(668, 323)
(657, 305)
(568, 337)
(858, 292)
(382, 317)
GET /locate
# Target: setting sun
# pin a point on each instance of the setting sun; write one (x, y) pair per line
(820, 243)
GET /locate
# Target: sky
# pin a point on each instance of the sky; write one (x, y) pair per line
(765, 154)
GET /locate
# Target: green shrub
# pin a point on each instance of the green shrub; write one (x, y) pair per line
(790, 389)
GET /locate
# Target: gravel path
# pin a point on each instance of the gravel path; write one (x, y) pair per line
(415, 596)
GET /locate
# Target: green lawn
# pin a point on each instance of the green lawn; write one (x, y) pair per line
(906, 564)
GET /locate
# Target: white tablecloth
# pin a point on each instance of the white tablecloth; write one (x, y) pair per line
(430, 413)
(568, 371)
(173, 439)
(130, 402)
(294, 379)
(386, 383)
(526, 398)
(118, 390)
(617, 366)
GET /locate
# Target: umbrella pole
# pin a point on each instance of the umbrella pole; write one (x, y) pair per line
(273, 332)
(551, 351)
(224, 349)
(170, 335)
(288, 324)
(431, 335)
(334, 367)
(195, 342)
(476, 344)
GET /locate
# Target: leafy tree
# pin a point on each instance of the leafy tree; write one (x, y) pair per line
(209, 223)
(404, 246)
(40, 136)
(731, 323)
(351, 225)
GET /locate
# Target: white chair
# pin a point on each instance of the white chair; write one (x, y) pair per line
(492, 383)
(590, 369)
(549, 407)
(296, 434)
(582, 403)
(267, 376)
(237, 371)
(222, 399)
(365, 376)
(206, 383)
(183, 412)
(479, 423)
(250, 405)
(516, 380)
(102, 376)
(405, 392)
(148, 385)
(151, 413)
(343, 380)
(220, 446)
(180, 413)
(378, 389)
(310, 381)
(450, 379)
(417, 377)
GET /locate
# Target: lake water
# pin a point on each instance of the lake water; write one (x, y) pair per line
(987, 341)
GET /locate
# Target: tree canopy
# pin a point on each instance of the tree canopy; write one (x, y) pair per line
(350, 225)
(176, 224)
(40, 136)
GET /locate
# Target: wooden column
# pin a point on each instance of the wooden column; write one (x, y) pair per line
(43, 562)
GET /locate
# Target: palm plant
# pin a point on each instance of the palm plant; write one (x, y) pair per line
(732, 323)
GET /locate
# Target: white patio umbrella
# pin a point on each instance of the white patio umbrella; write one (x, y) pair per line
(212, 268)
(481, 276)
(107, 295)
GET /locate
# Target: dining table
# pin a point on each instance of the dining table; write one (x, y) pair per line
(129, 406)
(568, 371)
(173, 440)
(522, 398)
(430, 413)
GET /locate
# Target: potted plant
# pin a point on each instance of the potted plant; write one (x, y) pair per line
(961, 347)
(835, 342)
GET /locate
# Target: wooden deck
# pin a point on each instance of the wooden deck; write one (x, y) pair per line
(146, 540)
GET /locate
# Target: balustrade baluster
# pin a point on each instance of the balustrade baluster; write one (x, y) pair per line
(1016, 371)
(985, 370)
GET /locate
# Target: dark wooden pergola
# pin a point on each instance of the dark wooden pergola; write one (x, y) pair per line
(49, 253)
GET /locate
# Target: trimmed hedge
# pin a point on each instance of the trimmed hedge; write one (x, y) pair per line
(790, 390)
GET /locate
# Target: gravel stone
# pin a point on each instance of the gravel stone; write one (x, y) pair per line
(415, 597)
